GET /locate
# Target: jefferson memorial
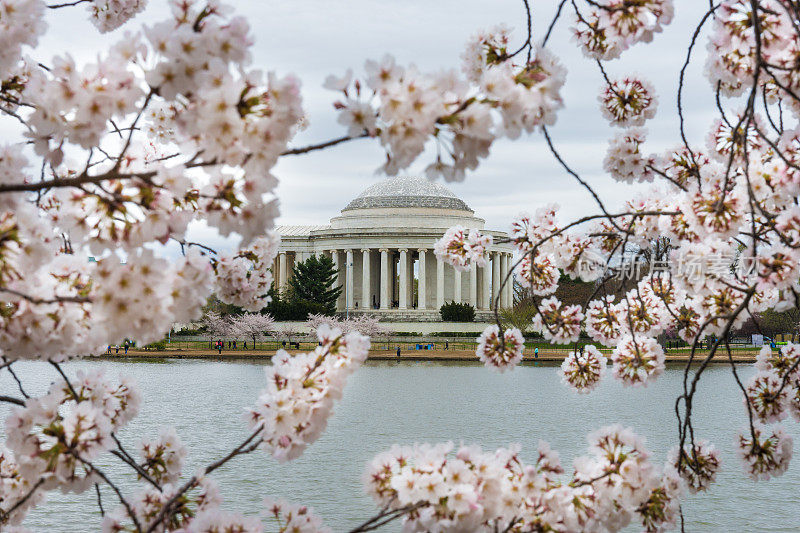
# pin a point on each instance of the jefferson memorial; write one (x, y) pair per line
(382, 245)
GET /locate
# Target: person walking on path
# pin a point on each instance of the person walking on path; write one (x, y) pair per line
(126, 347)
(536, 353)
(446, 345)
(398, 351)
(219, 347)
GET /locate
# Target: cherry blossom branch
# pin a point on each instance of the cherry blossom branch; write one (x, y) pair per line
(323, 145)
(578, 178)
(67, 4)
(93, 469)
(19, 383)
(689, 395)
(4, 514)
(85, 178)
(99, 499)
(553, 22)
(681, 77)
(245, 447)
(195, 244)
(386, 516)
(126, 458)
(747, 402)
(527, 44)
(58, 368)
(11, 399)
(132, 129)
(44, 301)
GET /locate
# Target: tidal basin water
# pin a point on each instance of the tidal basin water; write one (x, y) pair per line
(405, 402)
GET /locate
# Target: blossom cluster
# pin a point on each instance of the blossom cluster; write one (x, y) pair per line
(735, 41)
(697, 464)
(625, 160)
(764, 454)
(15, 488)
(53, 439)
(293, 410)
(405, 108)
(637, 361)
(116, 196)
(199, 510)
(21, 24)
(292, 517)
(498, 351)
(584, 369)
(467, 489)
(109, 15)
(612, 26)
(628, 102)
(463, 247)
(557, 322)
(163, 457)
(244, 278)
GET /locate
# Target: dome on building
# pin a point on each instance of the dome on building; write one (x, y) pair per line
(407, 191)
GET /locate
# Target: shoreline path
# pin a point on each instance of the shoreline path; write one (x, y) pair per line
(545, 355)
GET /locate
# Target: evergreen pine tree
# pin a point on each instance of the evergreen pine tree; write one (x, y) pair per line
(314, 280)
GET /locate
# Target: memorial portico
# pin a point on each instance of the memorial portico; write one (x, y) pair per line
(382, 246)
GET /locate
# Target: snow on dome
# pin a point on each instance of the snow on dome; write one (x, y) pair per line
(407, 191)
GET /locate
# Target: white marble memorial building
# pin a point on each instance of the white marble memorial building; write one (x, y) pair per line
(382, 244)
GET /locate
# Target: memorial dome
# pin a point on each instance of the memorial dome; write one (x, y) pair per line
(407, 191)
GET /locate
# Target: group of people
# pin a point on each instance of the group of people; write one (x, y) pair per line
(116, 347)
(232, 345)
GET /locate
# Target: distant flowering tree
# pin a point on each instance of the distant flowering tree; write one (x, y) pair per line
(173, 125)
(251, 325)
(365, 324)
(217, 325)
(287, 332)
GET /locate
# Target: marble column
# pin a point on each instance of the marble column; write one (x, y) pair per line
(495, 278)
(283, 271)
(384, 278)
(349, 279)
(503, 271)
(422, 292)
(473, 286)
(410, 278)
(487, 282)
(402, 272)
(439, 282)
(456, 285)
(366, 282)
(510, 284)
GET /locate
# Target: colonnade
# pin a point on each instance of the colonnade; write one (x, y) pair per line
(383, 278)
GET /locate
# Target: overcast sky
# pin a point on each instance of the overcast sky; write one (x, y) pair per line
(314, 38)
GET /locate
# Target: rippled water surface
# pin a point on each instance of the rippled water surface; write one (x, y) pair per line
(406, 402)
